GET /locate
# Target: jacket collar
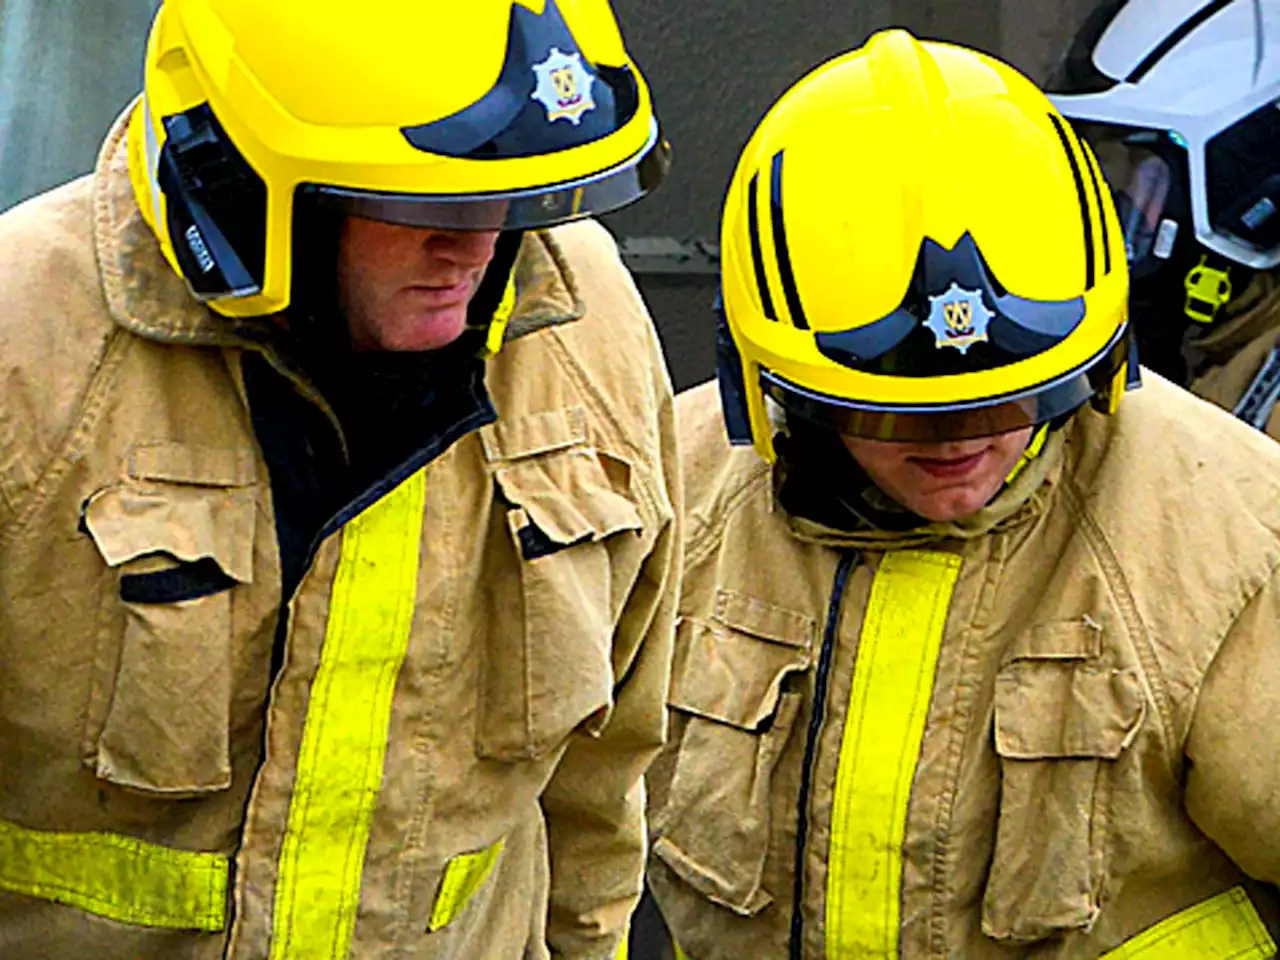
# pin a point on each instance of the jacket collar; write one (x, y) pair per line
(146, 297)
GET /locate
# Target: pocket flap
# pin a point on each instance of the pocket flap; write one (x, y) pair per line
(765, 620)
(517, 437)
(567, 495)
(716, 888)
(1047, 709)
(1059, 640)
(190, 463)
(188, 523)
(724, 674)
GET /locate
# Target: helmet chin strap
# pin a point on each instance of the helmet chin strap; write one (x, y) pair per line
(494, 301)
(1034, 446)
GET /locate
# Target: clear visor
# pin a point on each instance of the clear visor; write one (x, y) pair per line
(1142, 184)
(955, 422)
(528, 209)
(1141, 208)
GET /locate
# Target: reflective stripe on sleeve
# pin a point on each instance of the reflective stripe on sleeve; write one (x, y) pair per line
(892, 688)
(116, 877)
(464, 875)
(344, 739)
(1227, 925)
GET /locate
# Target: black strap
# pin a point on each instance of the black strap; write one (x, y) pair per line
(189, 581)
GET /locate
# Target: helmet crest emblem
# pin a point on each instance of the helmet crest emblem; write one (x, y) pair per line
(564, 87)
(958, 318)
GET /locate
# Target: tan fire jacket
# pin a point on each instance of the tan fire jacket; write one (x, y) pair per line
(1242, 353)
(449, 762)
(1047, 731)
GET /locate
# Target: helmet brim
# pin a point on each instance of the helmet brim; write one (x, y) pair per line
(528, 209)
(939, 423)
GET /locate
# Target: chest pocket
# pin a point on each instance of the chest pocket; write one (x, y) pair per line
(180, 534)
(1063, 719)
(728, 688)
(548, 663)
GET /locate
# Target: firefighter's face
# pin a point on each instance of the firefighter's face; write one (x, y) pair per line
(941, 481)
(407, 288)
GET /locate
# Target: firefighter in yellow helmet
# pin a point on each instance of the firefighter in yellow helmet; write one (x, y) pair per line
(973, 659)
(338, 497)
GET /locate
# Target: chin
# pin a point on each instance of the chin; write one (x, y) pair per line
(422, 333)
(954, 507)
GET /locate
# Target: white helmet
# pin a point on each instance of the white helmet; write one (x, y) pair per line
(1179, 98)
(1206, 74)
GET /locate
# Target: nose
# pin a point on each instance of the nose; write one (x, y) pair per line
(464, 247)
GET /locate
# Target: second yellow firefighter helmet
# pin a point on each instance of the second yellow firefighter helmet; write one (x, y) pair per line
(916, 246)
(510, 114)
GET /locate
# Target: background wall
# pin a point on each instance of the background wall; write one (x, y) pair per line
(67, 67)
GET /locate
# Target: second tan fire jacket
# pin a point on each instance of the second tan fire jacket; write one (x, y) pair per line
(1239, 359)
(1048, 731)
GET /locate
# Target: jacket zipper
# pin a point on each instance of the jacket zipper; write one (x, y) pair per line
(847, 562)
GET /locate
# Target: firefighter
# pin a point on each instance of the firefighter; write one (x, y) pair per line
(977, 655)
(338, 497)
(1179, 102)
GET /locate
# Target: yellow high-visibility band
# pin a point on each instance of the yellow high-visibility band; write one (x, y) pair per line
(1227, 925)
(344, 740)
(464, 875)
(892, 688)
(116, 877)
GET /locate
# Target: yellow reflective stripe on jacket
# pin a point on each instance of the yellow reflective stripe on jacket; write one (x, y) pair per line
(680, 954)
(116, 877)
(892, 687)
(1227, 925)
(464, 875)
(344, 739)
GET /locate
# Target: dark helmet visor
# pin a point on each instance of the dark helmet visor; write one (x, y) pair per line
(529, 209)
(959, 421)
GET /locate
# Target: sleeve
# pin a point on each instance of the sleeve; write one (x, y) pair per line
(1233, 780)
(595, 803)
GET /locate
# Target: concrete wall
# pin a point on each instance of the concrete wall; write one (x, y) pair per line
(67, 67)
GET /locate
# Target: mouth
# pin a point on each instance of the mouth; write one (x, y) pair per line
(950, 468)
(441, 295)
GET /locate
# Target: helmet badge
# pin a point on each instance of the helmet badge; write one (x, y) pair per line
(564, 87)
(958, 318)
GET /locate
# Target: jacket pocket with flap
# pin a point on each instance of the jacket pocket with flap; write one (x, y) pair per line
(714, 831)
(548, 668)
(180, 534)
(1063, 718)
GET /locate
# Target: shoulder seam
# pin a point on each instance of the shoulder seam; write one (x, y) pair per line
(645, 460)
(67, 448)
(698, 548)
(1137, 629)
